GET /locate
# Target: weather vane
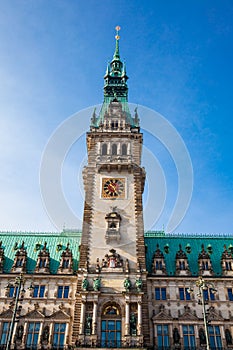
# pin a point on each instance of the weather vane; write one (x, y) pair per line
(117, 37)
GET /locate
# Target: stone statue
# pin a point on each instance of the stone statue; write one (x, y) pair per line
(127, 284)
(139, 284)
(202, 336)
(176, 336)
(45, 334)
(133, 324)
(19, 333)
(89, 322)
(96, 284)
(85, 284)
(228, 337)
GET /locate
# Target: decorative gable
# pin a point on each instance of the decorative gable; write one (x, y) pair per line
(227, 261)
(20, 260)
(6, 314)
(182, 266)
(43, 260)
(188, 314)
(60, 315)
(162, 315)
(66, 261)
(158, 263)
(204, 262)
(34, 314)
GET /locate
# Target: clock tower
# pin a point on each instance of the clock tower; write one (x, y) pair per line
(111, 307)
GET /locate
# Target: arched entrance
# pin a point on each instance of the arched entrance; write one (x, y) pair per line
(111, 326)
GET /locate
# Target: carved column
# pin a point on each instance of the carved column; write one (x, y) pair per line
(82, 317)
(94, 321)
(139, 317)
(127, 327)
(40, 333)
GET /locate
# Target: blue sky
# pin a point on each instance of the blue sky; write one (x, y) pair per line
(179, 56)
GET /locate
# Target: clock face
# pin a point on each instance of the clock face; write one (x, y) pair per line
(113, 188)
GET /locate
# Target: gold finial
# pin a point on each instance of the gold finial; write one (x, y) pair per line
(117, 37)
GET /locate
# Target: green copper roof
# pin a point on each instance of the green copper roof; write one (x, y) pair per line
(31, 239)
(212, 244)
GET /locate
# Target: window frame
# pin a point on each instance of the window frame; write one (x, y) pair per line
(39, 291)
(183, 291)
(60, 335)
(160, 293)
(163, 339)
(189, 340)
(4, 332)
(32, 337)
(63, 292)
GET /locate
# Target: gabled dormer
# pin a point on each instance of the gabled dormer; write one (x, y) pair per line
(182, 266)
(43, 260)
(204, 263)
(66, 261)
(20, 260)
(158, 263)
(227, 261)
(1, 257)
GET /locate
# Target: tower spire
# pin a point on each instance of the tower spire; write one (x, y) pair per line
(116, 55)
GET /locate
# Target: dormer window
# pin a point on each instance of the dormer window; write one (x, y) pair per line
(20, 260)
(43, 260)
(158, 265)
(43, 263)
(227, 261)
(204, 263)
(66, 261)
(182, 266)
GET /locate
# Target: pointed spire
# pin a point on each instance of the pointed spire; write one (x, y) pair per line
(116, 55)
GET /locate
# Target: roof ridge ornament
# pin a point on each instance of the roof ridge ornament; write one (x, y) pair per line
(117, 37)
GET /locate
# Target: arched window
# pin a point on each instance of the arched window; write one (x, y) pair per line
(158, 265)
(114, 149)
(104, 149)
(182, 265)
(124, 150)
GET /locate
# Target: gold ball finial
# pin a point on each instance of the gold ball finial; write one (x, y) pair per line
(117, 37)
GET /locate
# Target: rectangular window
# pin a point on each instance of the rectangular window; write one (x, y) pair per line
(38, 291)
(12, 291)
(189, 337)
(63, 292)
(5, 331)
(33, 333)
(215, 337)
(160, 294)
(230, 294)
(208, 294)
(163, 336)
(59, 334)
(184, 294)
